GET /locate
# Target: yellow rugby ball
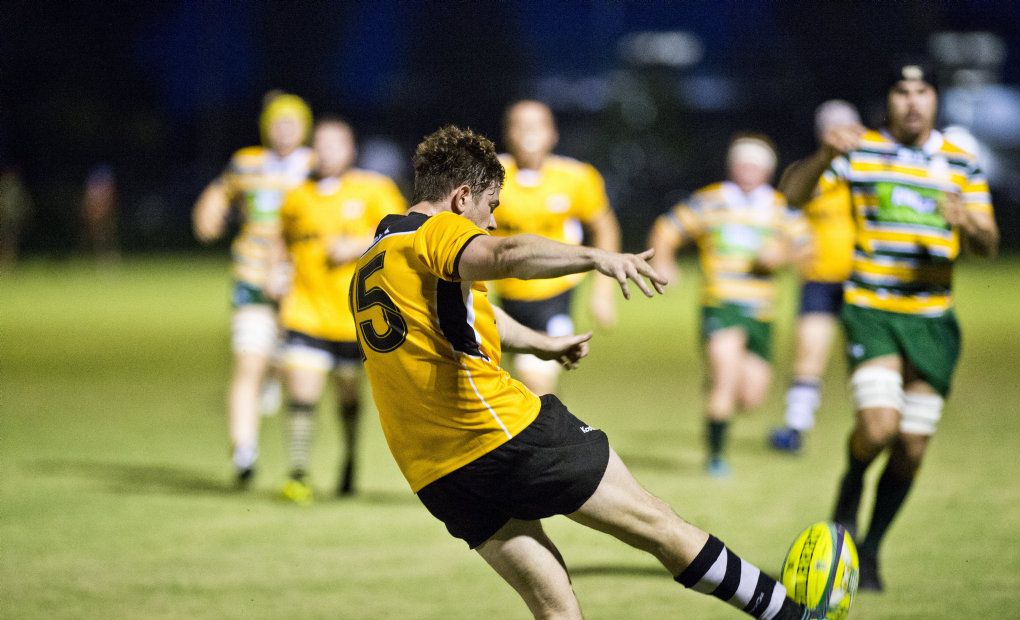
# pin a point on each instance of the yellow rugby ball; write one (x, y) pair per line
(821, 570)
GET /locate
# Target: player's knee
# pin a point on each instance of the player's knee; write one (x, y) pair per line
(721, 407)
(753, 397)
(249, 369)
(921, 414)
(875, 387)
(878, 427)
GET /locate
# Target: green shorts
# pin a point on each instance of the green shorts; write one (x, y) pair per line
(930, 344)
(759, 333)
(246, 294)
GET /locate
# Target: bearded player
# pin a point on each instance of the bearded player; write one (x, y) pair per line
(916, 199)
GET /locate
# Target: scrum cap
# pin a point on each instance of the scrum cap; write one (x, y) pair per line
(283, 105)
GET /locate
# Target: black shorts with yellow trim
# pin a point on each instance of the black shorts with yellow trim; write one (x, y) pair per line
(552, 467)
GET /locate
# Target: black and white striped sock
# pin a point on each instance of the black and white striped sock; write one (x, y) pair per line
(723, 574)
(300, 421)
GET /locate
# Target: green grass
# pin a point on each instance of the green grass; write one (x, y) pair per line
(115, 478)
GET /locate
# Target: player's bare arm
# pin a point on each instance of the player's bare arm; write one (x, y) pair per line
(664, 240)
(978, 229)
(281, 271)
(530, 256)
(605, 235)
(209, 219)
(800, 178)
(517, 338)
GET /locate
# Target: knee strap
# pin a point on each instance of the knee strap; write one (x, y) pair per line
(921, 413)
(877, 387)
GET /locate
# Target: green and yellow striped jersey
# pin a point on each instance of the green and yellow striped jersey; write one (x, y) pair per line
(904, 249)
(731, 228)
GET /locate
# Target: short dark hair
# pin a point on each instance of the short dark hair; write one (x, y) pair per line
(333, 119)
(451, 157)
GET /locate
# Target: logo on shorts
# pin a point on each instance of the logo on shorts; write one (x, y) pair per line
(587, 429)
(856, 350)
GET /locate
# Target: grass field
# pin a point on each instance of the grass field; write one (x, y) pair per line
(116, 484)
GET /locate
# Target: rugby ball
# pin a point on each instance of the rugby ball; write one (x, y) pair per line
(821, 570)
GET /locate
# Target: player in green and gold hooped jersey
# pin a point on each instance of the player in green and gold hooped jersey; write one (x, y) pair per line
(916, 198)
(254, 183)
(744, 231)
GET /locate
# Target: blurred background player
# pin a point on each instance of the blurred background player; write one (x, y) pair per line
(99, 215)
(821, 294)
(561, 199)
(744, 232)
(15, 211)
(327, 222)
(255, 181)
(916, 197)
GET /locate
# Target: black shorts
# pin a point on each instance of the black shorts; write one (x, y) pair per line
(551, 467)
(333, 353)
(821, 297)
(551, 316)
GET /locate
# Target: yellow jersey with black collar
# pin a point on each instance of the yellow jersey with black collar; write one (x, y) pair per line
(431, 348)
(904, 248)
(730, 228)
(314, 215)
(554, 201)
(257, 178)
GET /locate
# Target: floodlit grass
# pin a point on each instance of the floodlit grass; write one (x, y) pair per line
(116, 484)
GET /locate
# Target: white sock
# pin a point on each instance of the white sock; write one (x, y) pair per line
(802, 400)
(245, 455)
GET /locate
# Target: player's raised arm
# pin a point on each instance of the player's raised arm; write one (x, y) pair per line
(529, 256)
(801, 177)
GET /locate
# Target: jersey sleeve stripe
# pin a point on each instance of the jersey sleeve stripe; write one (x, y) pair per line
(460, 252)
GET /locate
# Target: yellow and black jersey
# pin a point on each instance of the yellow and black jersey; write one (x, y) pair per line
(832, 229)
(257, 178)
(555, 202)
(431, 349)
(904, 248)
(730, 229)
(314, 215)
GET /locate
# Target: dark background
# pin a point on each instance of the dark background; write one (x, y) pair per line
(650, 92)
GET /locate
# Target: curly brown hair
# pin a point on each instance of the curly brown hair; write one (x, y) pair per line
(451, 157)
